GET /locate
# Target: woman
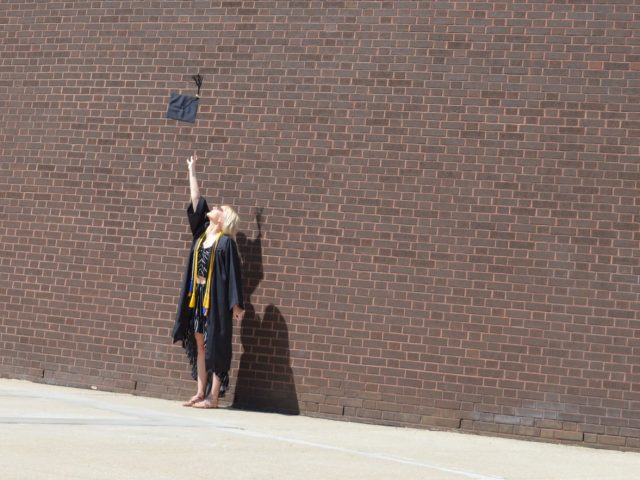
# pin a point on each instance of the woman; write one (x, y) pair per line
(211, 296)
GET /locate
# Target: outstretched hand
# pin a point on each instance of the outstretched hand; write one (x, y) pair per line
(191, 161)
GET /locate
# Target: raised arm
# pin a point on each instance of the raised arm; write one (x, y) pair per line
(193, 181)
(259, 211)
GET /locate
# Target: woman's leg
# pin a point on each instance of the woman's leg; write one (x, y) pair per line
(212, 400)
(202, 370)
(202, 373)
(215, 389)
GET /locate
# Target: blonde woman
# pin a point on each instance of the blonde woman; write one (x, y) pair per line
(211, 296)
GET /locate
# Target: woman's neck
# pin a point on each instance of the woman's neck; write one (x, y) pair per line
(213, 230)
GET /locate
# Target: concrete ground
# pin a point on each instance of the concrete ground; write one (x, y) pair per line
(50, 432)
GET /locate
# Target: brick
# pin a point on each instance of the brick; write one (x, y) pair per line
(444, 236)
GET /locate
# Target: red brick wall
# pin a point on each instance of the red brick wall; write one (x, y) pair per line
(449, 194)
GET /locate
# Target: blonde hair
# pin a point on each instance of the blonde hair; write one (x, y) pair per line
(230, 220)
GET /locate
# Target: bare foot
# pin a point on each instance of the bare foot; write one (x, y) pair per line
(206, 403)
(193, 400)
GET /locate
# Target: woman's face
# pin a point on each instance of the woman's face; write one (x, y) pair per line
(215, 216)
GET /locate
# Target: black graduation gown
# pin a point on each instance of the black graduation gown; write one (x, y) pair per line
(225, 293)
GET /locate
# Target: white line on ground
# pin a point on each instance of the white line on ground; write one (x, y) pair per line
(379, 456)
(156, 419)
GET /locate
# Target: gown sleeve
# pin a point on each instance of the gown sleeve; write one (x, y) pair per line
(198, 218)
(234, 276)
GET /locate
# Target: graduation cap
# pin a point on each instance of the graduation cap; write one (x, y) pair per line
(185, 107)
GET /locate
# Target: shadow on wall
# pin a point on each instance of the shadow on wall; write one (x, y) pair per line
(265, 379)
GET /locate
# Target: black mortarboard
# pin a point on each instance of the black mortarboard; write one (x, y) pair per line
(185, 107)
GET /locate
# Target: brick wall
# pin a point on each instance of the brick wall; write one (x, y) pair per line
(447, 198)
